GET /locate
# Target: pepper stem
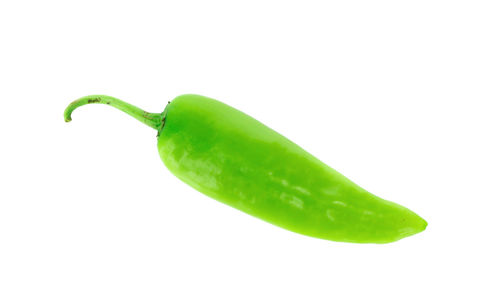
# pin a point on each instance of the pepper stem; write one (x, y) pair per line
(150, 119)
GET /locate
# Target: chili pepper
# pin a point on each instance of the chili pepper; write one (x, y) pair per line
(239, 161)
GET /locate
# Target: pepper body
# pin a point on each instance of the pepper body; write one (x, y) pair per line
(239, 161)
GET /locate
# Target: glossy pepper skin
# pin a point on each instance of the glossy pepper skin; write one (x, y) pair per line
(239, 161)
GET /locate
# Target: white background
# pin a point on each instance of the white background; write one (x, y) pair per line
(400, 96)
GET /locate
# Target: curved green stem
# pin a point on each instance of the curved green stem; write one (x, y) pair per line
(150, 119)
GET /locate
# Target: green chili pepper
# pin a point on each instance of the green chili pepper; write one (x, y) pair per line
(239, 161)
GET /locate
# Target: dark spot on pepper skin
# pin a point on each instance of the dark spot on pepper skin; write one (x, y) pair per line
(161, 126)
(95, 100)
